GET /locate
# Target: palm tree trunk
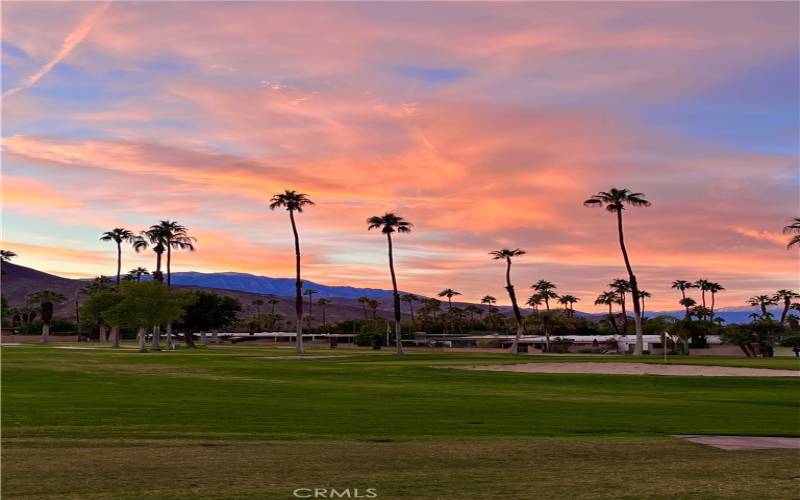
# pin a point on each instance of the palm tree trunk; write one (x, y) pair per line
(142, 341)
(157, 275)
(115, 336)
(169, 265)
(45, 332)
(397, 333)
(517, 315)
(612, 320)
(546, 327)
(787, 303)
(298, 303)
(637, 316)
(119, 261)
(713, 301)
(168, 342)
(156, 338)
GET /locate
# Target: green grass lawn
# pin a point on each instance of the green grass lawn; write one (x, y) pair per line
(240, 422)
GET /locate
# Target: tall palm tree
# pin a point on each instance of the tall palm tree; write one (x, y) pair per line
(310, 293)
(175, 236)
(323, 303)
(614, 201)
(609, 298)
(762, 301)
(390, 223)
(449, 293)
(786, 297)
(546, 290)
(622, 287)
(488, 300)
(45, 300)
(703, 285)
(568, 301)
(364, 301)
(794, 227)
(714, 288)
(138, 272)
(155, 237)
(644, 294)
(293, 202)
(683, 285)
(410, 298)
(118, 235)
(507, 254)
(258, 303)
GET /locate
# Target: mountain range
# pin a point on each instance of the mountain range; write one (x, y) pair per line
(18, 281)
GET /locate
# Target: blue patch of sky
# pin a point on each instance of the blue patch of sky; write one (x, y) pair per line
(430, 75)
(757, 111)
(13, 51)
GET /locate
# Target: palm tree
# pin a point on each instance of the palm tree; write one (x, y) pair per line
(273, 301)
(689, 304)
(472, 309)
(703, 285)
(545, 290)
(310, 293)
(488, 300)
(45, 300)
(614, 201)
(568, 302)
(762, 301)
(323, 303)
(507, 254)
(449, 293)
(794, 227)
(644, 294)
(609, 299)
(373, 306)
(139, 272)
(410, 298)
(6, 256)
(293, 202)
(118, 235)
(258, 303)
(622, 288)
(364, 301)
(785, 296)
(534, 301)
(683, 285)
(174, 236)
(714, 289)
(390, 223)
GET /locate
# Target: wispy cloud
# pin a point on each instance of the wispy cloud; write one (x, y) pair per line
(67, 46)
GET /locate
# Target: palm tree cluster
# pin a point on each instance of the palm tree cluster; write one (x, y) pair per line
(705, 309)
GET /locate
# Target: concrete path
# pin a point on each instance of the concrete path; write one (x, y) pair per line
(612, 368)
(746, 442)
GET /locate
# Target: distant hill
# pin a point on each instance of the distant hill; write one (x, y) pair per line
(282, 287)
(18, 281)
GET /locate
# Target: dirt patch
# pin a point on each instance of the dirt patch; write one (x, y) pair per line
(635, 369)
(746, 442)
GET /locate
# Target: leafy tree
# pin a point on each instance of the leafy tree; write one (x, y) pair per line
(507, 254)
(147, 304)
(96, 308)
(293, 202)
(207, 312)
(389, 224)
(615, 201)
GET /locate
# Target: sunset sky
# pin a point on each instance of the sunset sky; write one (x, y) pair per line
(486, 125)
